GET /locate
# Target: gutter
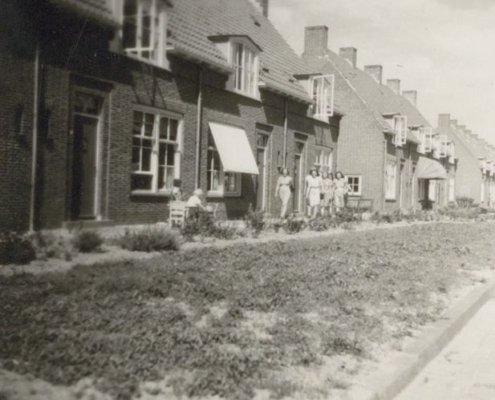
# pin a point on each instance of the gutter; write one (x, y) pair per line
(286, 129)
(199, 116)
(34, 159)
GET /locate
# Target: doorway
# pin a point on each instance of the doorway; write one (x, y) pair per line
(261, 160)
(299, 185)
(85, 159)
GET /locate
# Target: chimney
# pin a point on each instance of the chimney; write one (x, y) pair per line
(411, 95)
(350, 54)
(376, 71)
(394, 84)
(443, 123)
(315, 40)
(262, 6)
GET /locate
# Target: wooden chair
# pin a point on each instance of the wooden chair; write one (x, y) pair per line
(177, 213)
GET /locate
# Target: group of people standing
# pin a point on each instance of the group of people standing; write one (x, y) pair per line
(323, 192)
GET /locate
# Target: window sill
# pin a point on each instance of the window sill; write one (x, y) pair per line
(218, 195)
(143, 193)
(391, 200)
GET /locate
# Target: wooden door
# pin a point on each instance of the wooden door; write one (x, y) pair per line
(84, 167)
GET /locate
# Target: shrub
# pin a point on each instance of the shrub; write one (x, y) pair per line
(464, 201)
(255, 219)
(49, 245)
(87, 241)
(149, 239)
(320, 224)
(15, 249)
(202, 223)
(294, 225)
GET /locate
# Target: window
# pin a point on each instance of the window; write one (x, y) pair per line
(144, 30)
(220, 183)
(321, 89)
(443, 145)
(354, 182)
(400, 128)
(451, 152)
(428, 139)
(432, 190)
(391, 181)
(156, 152)
(245, 63)
(451, 189)
(324, 160)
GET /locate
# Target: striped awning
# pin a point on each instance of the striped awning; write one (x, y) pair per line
(430, 169)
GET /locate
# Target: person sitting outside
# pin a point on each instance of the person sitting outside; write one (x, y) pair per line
(195, 203)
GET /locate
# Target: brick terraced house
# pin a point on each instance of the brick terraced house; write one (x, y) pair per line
(475, 176)
(107, 104)
(387, 149)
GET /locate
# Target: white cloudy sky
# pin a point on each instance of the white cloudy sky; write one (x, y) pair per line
(443, 48)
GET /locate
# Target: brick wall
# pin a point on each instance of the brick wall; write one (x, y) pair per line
(125, 83)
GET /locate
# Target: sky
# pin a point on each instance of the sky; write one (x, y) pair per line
(444, 49)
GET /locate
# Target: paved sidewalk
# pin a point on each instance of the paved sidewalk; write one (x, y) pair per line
(465, 369)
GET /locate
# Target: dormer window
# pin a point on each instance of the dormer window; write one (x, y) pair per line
(144, 30)
(245, 63)
(426, 140)
(321, 90)
(400, 128)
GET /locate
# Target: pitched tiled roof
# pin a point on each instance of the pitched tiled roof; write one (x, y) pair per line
(193, 22)
(378, 98)
(100, 10)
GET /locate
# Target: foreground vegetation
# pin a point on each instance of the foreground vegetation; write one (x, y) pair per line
(233, 321)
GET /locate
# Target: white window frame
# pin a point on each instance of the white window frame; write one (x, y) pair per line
(422, 140)
(391, 181)
(158, 116)
(246, 70)
(359, 184)
(221, 190)
(436, 146)
(400, 128)
(432, 190)
(443, 145)
(321, 89)
(324, 159)
(451, 190)
(451, 152)
(157, 36)
(428, 146)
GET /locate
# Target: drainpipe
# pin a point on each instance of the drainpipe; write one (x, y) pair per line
(286, 128)
(384, 195)
(34, 159)
(199, 116)
(109, 155)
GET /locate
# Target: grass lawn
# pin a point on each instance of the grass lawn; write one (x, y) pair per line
(237, 322)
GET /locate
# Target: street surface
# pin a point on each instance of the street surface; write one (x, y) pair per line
(465, 369)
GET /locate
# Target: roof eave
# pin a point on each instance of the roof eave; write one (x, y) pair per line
(191, 56)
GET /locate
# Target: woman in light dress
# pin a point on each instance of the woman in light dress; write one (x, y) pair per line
(327, 193)
(341, 188)
(313, 191)
(283, 190)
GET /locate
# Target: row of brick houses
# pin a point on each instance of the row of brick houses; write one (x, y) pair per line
(475, 174)
(109, 104)
(386, 147)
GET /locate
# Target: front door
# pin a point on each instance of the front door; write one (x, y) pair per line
(85, 124)
(299, 185)
(261, 160)
(402, 186)
(84, 167)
